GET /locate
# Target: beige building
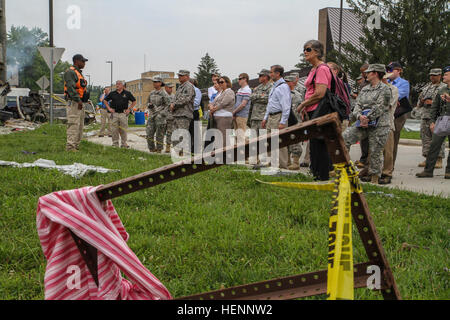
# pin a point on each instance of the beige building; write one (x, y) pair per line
(142, 87)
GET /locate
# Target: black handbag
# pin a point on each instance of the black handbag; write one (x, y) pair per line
(292, 121)
(330, 103)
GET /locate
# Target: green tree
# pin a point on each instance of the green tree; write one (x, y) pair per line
(22, 56)
(303, 63)
(206, 68)
(413, 32)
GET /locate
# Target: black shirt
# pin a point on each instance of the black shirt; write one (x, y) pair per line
(119, 101)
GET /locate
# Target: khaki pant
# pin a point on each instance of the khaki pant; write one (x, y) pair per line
(240, 127)
(119, 127)
(105, 121)
(75, 125)
(388, 166)
(272, 124)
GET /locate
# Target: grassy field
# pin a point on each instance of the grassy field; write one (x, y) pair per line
(415, 135)
(215, 229)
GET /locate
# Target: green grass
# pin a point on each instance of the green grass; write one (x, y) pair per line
(410, 135)
(215, 229)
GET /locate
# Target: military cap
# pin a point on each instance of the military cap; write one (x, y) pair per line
(394, 65)
(157, 79)
(359, 78)
(435, 72)
(183, 73)
(295, 74)
(290, 78)
(446, 69)
(170, 85)
(79, 57)
(264, 72)
(376, 68)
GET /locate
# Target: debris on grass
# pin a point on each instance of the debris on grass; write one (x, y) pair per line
(76, 170)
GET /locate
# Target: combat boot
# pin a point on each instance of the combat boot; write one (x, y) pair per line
(424, 174)
(364, 172)
(168, 148)
(289, 161)
(366, 178)
(438, 164)
(422, 164)
(295, 163)
(385, 180)
(374, 179)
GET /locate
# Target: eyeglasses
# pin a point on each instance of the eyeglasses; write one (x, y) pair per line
(242, 78)
(309, 49)
(221, 82)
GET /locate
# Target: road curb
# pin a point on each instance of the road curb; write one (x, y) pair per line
(410, 142)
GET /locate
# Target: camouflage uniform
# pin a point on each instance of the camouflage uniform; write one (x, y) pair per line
(378, 100)
(158, 106)
(424, 112)
(183, 103)
(297, 99)
(259, 99)
(170, 122)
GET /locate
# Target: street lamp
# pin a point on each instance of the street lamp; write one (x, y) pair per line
(111, 73)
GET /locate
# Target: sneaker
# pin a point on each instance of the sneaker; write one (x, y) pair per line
(424, 174)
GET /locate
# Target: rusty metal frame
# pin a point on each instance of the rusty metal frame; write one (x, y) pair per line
(309, 284)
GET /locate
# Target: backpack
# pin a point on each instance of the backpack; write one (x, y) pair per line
(334, 99)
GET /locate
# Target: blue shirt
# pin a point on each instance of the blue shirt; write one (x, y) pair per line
(279, 100)
(198, 98)
(403, 87)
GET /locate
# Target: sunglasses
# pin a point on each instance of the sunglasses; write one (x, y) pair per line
(221, 82)
(242, 78)
(309, 49)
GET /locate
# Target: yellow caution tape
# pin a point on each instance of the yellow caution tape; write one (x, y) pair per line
(340, 250)
(340, 282)
(302, 185)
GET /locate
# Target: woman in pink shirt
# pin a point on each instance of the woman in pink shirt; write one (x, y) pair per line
(317, 83)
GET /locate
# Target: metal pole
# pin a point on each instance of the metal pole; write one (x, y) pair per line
(340, 27)
(50, 4)
(111, 75)
(51, 86)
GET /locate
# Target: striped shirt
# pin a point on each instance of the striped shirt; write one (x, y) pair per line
(67, 277)
(241, 95)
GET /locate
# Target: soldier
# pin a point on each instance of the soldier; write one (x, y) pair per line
(298, 86)
(440, 107)
(423, 110)
(372, 113)
(169, 116)
(182, 107)
(297, 98)
(75, 91)
(259, 99)
(158, 106)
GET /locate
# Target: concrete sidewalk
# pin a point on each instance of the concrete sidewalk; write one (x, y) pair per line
(409, 156)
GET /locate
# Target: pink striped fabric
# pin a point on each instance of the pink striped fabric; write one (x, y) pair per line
(98, 224)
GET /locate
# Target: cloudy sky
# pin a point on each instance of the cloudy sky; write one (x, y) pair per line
(241, 35)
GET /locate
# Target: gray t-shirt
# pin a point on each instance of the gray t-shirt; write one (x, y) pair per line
(241, 95)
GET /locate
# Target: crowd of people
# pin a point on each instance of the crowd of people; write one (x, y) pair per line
(376, 110)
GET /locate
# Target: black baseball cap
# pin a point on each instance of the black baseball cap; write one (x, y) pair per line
(394, 65)
(446, 69)
(79, 57)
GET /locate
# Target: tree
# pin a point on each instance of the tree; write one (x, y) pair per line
(22, 56)
(413, 32)
(303, 63)
(206, 68)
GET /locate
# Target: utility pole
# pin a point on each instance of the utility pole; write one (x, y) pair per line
(52, 45)
(2, 42)
(340, 28)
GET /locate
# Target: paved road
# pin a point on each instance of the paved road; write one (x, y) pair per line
(409, 157)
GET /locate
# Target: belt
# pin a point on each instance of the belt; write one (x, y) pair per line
(275, 113)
